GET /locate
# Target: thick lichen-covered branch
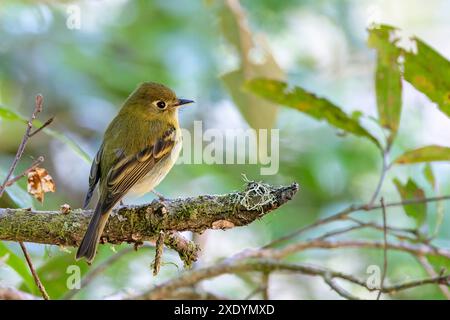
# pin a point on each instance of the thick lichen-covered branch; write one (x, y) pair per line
(135, 224)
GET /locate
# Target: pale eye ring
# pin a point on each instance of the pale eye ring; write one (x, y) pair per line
(161, 104)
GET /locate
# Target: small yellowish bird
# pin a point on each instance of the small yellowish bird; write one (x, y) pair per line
(139, 148)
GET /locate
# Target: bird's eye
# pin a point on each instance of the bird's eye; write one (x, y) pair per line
(161, 104)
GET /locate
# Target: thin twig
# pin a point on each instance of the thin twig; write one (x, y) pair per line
(8, 182)
(396, 232)
(26, 136)
(343, 214)
(400, 233)
(440, 279)
(385, 249)
(339, 290)
(432, 273)
(34, 273)
(410, 201)
(41, 127)
(416, 250)
(195, 276)
(98, 269)
(36, 163)
(338, 216)
(339, 232)
(384, 170)
(263, 265)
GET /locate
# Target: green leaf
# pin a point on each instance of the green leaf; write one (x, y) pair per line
(356, 115)
(258, 113)
(19, 197)
(388, 78)
(70, 143)
(424, 154)
(8, 114)
(429, 72)
(308, 103)
(19, 266)
(429, 175)
(410, 190)
(439, 262)
(54, 273)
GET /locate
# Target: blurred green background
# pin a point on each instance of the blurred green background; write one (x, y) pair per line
(201, 49)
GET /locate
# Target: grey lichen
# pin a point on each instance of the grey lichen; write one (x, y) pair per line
(256, 196)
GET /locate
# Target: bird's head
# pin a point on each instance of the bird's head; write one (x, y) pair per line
(153, 100)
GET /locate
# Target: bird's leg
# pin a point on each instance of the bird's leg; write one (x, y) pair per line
(159, 195)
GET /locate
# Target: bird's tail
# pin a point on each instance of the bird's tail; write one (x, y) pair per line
(88, 246)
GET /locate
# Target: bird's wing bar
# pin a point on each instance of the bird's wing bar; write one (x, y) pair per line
(129, 170)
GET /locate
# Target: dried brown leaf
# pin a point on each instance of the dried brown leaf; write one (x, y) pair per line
(40, 182)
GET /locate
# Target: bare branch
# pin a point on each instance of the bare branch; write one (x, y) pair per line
(384, 170)
(417, 250)
(188, 279)
(385, 249)
(135, 224)
(97, 270)
(7, 182)
(33, 166)
(26, 136)
(343, 214)
(339, 290)
(442, 279)
(34, 273)
(47, 123)
(432, 273)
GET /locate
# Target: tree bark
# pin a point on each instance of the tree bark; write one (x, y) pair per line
(135, 224)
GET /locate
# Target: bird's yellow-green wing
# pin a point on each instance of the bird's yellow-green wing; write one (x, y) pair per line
(128, 170)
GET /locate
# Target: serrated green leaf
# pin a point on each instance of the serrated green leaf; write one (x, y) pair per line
(19, 266)
(411, 190)
(424, 154)
(308, 103)
(388, 78)
(11, 115)
(429, 72)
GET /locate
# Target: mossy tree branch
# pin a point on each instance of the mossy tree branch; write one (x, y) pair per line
(136, 224)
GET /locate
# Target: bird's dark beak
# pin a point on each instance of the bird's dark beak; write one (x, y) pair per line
(183, 101)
